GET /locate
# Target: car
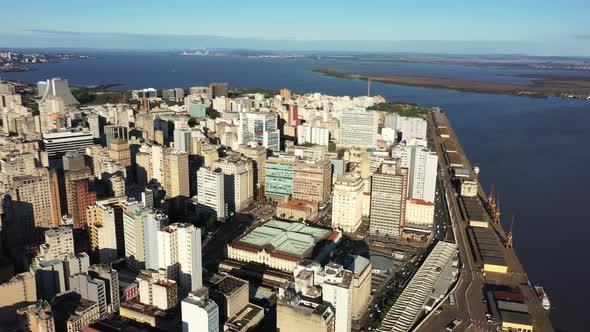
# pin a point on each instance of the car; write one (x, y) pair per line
(437, 311)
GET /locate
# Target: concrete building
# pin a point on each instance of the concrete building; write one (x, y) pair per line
(422, 165)
(179, 247)
(313, 135)
(388, 198)
(312, 181)
(176, 94)
(258, 155)
(103, 234)
(211, 192)
(176, 174)
(56, 87)
(110, 277)
(58, 143)
(115, 132)
(39, 317)
(183, 139)
(279, 172)
(295, 316)
(59, 242)
(238, 182)
(409, 127)
(358, 127)
(219, 89)
(261, 128)
(78, 195)
(199, 312)
(72, 313)
(419, 213)
(36, 191)
(298, 210)
(347, 203)
(246, 319)
(141, 228)
(90, 289)
(157, 290)
(230, 294)
(17, 292)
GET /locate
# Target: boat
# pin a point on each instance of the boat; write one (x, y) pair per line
(545, 303)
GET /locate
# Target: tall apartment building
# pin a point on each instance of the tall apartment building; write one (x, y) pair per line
(118, 151)
(311, 134)
(199, 312)
(219, 89)
(258, 155)
(78, 196)
(359, 128)
(238, 181)
(141, 228)
(279, 172)
(183, 139)
(37, 189)
(90, 289)
(176, 174)
(388, 198)
(103, 233)
(422, 165)
(179, 249)
(261, 128)
(110, 277)
(347, 203)
(409, 127)
(312, 181)
(211, 192)
(59, 242)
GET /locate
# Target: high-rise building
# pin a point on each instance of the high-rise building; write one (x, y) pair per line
(261, 128)
(176, 175)
(358, 127)
(258, 155)
(230, 294)
(211, 192)
(388, 197)
(312, 181)
(90, 289)
(199, 312)
(422, 165)
(17, 292)
(409, 127)
(279, 172)
(58, 143)
(347, 203)
(238, 181)
(285, 94)
(179, 247)
(56, 87)
(39, 317)
(73, 313)
(173, 94)
(419, 213)
(313, 135)
(183, 139)
(295, 316)
(59, 242)
(119, 152)
(141, 228)
(78, 195)
(114, 132)
(36, 190)
(219, 89)
(110, 277)
(103, 235)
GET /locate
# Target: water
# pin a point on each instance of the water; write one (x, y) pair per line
(533, 150)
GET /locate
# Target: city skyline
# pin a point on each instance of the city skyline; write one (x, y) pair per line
(465, 28)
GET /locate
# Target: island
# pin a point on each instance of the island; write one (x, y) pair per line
(12, 61)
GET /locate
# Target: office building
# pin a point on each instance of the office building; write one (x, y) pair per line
(183, 139)
(58, 143)
(279, 172)
(176, 174)
(56, 87)
(141, 228)
(308, 134)
(199, 312)
(176, 94)
(388, 198)
(115, 132)
(219, 89)
(312, 181)
(211, 192)
(196, 109)
(260, 128)
(110, 277)
(36, 194)
(103, 233)
(422, 165)
(419, 213)
(347, 203)
(408, 127)
(179, 247)
(144, 93)
(358, 128)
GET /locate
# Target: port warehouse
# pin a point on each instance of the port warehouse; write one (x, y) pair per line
(487, 247)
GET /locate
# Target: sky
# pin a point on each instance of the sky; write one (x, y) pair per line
(454, 26)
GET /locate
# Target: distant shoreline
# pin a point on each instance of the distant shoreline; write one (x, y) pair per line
(541, 86)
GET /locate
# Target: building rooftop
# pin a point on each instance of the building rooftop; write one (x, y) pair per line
(250, 315)
(289, 238)
(226, 284)
(516, 317)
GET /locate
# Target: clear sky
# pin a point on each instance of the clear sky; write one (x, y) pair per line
(523, 26)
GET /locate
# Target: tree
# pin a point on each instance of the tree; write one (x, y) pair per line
(192, 121)
(332, 147)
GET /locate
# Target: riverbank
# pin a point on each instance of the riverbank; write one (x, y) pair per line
(540, 86)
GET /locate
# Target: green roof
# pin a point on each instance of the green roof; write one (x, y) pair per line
(287, 237)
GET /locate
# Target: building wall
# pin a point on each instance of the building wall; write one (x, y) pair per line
(20, 291)
(387, 204)
(290, 319)
(347, 204)
(313, 181)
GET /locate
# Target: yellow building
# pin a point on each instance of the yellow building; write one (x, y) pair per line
(296, 318)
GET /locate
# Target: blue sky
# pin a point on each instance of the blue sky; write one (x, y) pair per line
(521, 26)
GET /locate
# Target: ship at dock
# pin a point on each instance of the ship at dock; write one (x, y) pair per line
(543, 297)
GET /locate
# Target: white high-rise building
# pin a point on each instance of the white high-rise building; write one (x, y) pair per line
(238, 182)
(388, 198)
(314, 135)
(410, 127)
(422, 165)
(199, 312)
(179, 247)
(182, 139)
(359, 127)
(211, 192)
(261, 128)
(141, 228)
(59, 242)
(347, 203)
